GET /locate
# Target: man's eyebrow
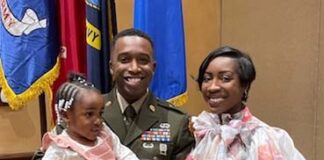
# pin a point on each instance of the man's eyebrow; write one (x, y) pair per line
(122, 54)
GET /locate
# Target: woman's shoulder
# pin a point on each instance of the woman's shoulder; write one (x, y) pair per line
(260, 128)
(265, 134)
(277, 141)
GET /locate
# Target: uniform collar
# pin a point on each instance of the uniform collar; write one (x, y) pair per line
(123, 103)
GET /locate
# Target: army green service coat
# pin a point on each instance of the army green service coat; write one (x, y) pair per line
(156, 119)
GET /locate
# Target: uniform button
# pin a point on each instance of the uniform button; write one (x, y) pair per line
(155, 158)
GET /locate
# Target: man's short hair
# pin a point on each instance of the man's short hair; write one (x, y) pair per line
(131, 32)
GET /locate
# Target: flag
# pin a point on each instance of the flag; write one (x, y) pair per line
(101, 27)
(28, 49)
(71, 15)
(162, 20)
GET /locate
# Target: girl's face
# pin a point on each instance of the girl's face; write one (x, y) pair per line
(221, 87)
(84, 118)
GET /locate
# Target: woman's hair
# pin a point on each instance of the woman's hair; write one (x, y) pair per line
(246, 68)
(68, 92)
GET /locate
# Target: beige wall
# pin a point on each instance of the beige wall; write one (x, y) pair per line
(283, 39)
(319, 90)
(124, 14)
(19, 130)
(202, 26)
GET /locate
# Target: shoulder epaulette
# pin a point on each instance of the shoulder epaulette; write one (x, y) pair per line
(169, 106)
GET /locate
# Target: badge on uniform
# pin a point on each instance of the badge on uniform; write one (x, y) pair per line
(163, 149)
(152, 108)
(148, 145)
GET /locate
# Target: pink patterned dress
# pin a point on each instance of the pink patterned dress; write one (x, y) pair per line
(63, 147)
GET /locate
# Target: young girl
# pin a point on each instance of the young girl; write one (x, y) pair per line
(79, 105)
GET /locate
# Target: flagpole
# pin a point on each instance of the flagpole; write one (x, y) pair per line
(42, 113)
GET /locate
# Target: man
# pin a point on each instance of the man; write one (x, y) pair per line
(150, 127)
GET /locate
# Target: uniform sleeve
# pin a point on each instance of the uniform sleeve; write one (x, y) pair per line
(185, 141)
(121, 151)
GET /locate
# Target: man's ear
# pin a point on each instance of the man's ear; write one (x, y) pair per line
(154, 66)
(110, 68)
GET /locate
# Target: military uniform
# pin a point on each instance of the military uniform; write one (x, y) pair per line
(159, 131)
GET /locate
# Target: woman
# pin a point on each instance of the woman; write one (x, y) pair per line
(229, 130)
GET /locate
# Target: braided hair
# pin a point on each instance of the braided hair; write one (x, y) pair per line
(68, 92)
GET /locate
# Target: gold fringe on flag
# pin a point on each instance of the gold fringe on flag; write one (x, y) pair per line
(43, 84)
(179, 100)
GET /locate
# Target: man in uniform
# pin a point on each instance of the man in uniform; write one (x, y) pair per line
(150, 127)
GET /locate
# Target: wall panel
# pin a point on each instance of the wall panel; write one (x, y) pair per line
(319, 121)
(19, 130)
(202, 26)
(124, 12)
(282, 38)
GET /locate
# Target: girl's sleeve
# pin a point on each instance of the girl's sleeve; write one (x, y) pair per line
(121, 151)
(56, 153)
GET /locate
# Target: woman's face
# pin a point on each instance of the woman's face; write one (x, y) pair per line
(221, 87)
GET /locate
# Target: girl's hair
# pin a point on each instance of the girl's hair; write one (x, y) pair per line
(68, 92)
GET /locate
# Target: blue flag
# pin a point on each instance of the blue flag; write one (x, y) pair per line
(162, 20)
(101, 26)
(28, 49)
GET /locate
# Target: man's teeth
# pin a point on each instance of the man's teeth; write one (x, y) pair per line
(215, 99)
(133, 79)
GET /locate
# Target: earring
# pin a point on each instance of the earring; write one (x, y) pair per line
(245, 96)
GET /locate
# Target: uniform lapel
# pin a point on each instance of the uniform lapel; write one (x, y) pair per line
(113, 115)
(145, 119)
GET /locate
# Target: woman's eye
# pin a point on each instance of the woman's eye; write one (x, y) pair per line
(206, 78)
(226, 78)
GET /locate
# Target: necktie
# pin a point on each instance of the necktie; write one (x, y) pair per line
(130, 115)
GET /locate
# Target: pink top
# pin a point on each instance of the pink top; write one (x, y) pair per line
(101, 151)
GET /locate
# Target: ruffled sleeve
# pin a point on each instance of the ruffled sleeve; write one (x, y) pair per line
(273, 143)
(121, 151)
